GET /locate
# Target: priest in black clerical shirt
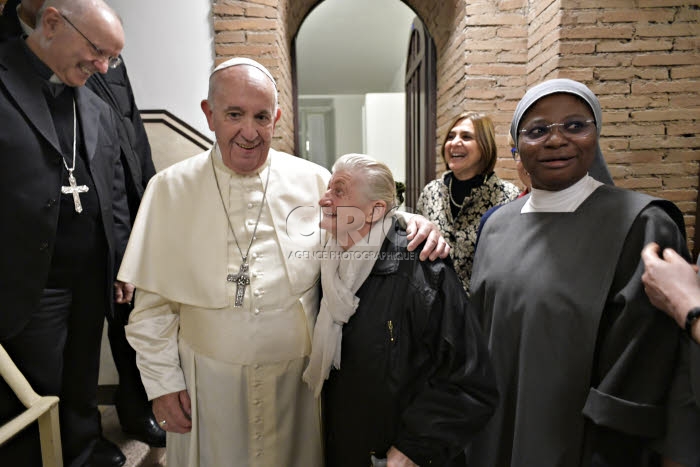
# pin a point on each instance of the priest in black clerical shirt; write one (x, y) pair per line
(65, 219)
(114, 88)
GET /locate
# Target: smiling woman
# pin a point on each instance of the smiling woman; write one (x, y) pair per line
(557, 288)
(557, 155)
(415, 382)
(457, 200)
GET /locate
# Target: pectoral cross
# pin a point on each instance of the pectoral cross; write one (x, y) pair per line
(242, 280)
(74, 189)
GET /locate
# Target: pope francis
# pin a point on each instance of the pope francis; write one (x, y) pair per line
(224, 254)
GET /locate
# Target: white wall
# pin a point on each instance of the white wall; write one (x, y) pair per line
(374, 124)
(398, 83)
(347, 110)
(352, 46)
(385, 130)
(348, 123)
(169, 53)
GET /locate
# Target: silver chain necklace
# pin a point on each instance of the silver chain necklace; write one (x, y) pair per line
(74, 189)
(242, 278)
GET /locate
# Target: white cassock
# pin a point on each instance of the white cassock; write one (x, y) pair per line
(242, 366)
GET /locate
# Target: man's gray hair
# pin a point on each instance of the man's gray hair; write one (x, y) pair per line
(378, 180)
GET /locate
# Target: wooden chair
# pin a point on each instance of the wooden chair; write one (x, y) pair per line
(42, 409)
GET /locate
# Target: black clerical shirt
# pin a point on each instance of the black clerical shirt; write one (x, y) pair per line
(79, 236)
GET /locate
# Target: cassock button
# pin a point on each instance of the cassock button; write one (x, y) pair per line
(50, 202)
(250, 205)
(250, 222)
(256, 402)
(257, 311)
(44, 246)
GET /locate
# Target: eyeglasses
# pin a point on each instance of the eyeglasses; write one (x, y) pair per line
(572, 129)
(112, 62)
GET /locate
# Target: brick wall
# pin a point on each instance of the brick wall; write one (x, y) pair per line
(643, 61)
(482, 66)
(641, 57)
(256, 29)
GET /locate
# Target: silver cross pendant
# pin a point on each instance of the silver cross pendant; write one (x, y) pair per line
(75, 190)
(242, 280)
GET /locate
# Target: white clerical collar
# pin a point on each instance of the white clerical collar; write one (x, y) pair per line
(28, 30)
(219, 162)
(567, 200)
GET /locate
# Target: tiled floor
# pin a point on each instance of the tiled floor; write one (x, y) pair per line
(137, 454)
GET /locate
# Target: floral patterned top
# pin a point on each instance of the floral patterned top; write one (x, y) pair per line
(460, 233)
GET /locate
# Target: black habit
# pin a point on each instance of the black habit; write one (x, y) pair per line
(584, 362)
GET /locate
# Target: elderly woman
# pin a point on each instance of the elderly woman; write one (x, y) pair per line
(457, 200)
(415, 382)
(583, 360)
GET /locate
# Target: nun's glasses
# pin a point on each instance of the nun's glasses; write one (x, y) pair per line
(574, 129)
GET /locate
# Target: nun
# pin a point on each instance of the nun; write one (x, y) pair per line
(583, 360)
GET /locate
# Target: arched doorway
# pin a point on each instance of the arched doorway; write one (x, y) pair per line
(382, 109)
